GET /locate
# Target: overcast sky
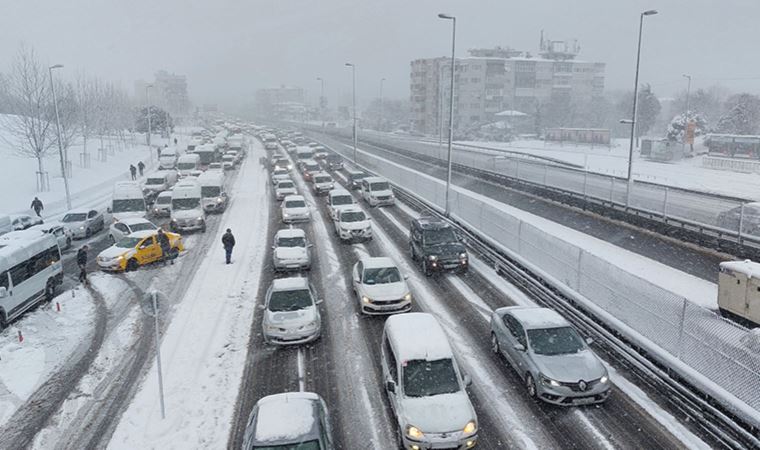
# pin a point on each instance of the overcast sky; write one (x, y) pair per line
(228, 48)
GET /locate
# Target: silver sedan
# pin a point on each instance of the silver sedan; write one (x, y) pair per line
(555, 363)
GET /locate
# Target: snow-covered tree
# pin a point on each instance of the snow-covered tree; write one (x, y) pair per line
(742, 115)
(648, 110)
(158, 119)
(677, 126)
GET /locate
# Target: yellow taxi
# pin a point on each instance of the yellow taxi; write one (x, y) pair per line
(137, 249)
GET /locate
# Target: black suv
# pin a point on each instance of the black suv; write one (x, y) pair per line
(436, 246)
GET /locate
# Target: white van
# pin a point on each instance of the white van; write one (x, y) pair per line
(30, 272)
(168, 158)
(423, 380)
(159, 181)
(304, 152)
(162, 206)
(187, 212)
(337, 199)
(377, 191)
(128, 200)
(188, 163)
(213, 194)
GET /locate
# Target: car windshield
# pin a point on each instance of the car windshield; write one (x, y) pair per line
(357, 176)
(128, 242)
(128, 205)
(290, 300)
(342, 200)
(186, 166)
(295, 204)
(381, 275)
(154, 181)
(352, 216)
(285, 185)
(74, 217)
(291, 242)
(306, 445)
(312, 167)
(555, 341)
(185, 203)
(442, 236)
(164, 200)
(211, 191)
(379, 186)
(322, 179)
(142, 226)
(427, 378)
(228, 158)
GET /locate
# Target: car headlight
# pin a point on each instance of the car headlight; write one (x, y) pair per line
(312, 324)
(219, 199)
(82, 227)
(550, 382)
(604, 379)
(408, 297)
(432, 257)
(174, 220)
(285, 214)
(470, 428)
(463, 255)
(366, 299)
(414, 432)
(199, 219)
(271, 328)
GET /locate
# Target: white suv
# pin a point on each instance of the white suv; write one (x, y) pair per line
(291, 250)
(351, 223)
(377, 191)
(295, 209)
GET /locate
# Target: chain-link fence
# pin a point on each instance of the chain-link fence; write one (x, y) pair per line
(718, 349)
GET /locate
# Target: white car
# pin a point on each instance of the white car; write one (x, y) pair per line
(56, 229)
(279, 174)
(83, 223)
(291, 250)
(338, 199)
(323, 183)
(291, 315)
(377, 191)
(162, 206)
(119, 230)
(24, 221)
(295, 209)
(285, 188)
(379, 286)
(351, 223)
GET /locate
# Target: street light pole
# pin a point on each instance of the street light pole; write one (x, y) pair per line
(686, 116)
(451, 105)
(380, 120)
(322, 100)
(64, 172)
(634, 120)
(147, 100)
(353, 101)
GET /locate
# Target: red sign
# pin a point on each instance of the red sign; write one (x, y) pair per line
(690, 129)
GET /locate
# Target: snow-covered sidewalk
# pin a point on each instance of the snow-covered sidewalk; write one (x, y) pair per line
(204, 348)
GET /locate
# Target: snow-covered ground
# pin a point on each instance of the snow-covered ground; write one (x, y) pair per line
(50, 338)
(613, 160)
(204, 349)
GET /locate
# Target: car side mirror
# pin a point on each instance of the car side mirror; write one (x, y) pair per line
(3, 292)
(589, 341)
(467, 380)
(519, 347)
(319, 301)
(262, 307)
(406, 277)
(310, 245)
(390, 385)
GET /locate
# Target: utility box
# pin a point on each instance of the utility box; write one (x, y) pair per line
(739, 290)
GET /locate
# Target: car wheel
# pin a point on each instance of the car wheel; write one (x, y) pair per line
(530, 385)
(88, 233)
(111, 238)
(49, 291)
(68, 242)
(495, 344)
(3, 321)
(132, 265)
(411, 250)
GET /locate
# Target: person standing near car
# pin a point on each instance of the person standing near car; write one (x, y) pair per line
(82, 263)
(37, 206)
(141, 167)
(228, 241)
(133, 171)
(163, 242)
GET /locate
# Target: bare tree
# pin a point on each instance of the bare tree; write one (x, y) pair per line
(84, 89)
(30, 129)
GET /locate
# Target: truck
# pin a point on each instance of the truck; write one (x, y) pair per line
(128, 201)
(207, 154)
(187, 211)
(739, 291)
(187, 164)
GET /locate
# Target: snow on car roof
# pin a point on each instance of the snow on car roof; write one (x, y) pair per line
(294, 197)
(287, 284)
(142, 233)
(749, 268)
(339, 191)
(29, 234)
(291, 232)
(417, 336)
(350, 209)
(129, 221)
(533, 317)
(78, 211)
(377, 261)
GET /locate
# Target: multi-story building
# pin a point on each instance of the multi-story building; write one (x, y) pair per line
(493, 80)
(284, 102)
(169, 92)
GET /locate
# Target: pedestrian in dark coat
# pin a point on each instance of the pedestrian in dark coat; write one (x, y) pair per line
(133, 171)
(82, 263)
(175, 141)
(163, 242)
(37, 206)
(158, 151)
(228, 241)
(141, 167)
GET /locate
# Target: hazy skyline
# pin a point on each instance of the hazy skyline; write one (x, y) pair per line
(228, 49)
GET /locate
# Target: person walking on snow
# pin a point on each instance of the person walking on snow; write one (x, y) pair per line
(141, 167)
(37, 206)
(163, 242)
(228, 241)
(175, 141)
(133, 171)
(82, 263)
